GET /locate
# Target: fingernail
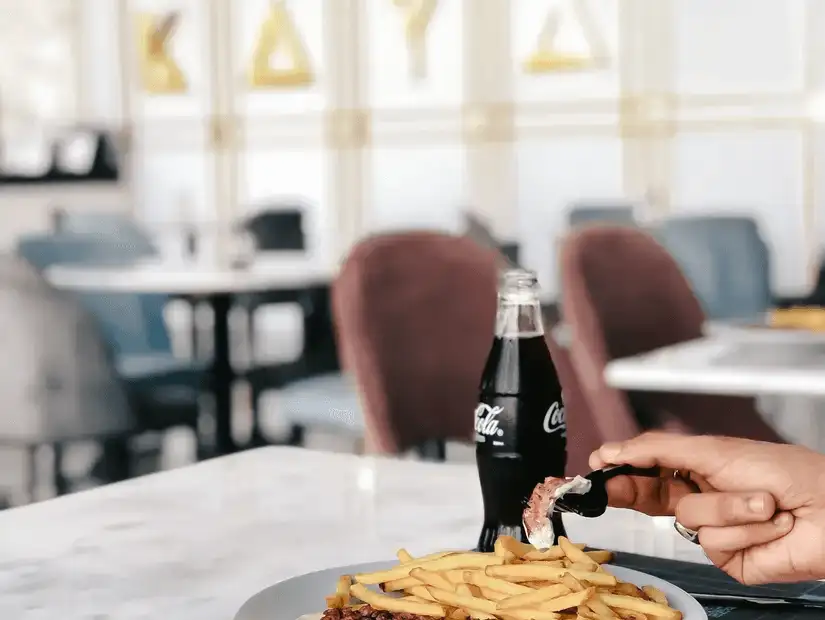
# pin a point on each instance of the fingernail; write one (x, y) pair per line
(610, 451)
(783, 520)
(756, 504)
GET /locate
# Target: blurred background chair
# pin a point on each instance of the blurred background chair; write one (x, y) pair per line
(624, 295)
(591, 214)
(134, 241)
(725, 260)
(587, 214)
(129, 241)
(277, 227)
(415, 315)
(49, 398)
(480, 232)
(165, 388)
(816, 297)
(582, 431)
(304, 384)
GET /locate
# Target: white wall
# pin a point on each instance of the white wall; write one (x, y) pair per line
(701, 105)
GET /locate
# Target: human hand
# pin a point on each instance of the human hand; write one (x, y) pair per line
(761, 510)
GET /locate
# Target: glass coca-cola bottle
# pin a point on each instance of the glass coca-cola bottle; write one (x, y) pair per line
(520, 427)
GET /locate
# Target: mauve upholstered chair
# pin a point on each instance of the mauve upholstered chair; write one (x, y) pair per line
(624, 295)
(414, 314)
(582, 434)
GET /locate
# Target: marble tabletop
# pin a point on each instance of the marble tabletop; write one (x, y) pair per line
(195, 543)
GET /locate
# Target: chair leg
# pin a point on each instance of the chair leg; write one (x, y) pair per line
(359, 447)
(297, 435)
(250, 337)
(31, 473)
(202, 452)
(256, 437)
(432, 450)
(115, 461)
(61, 483)
(119, 458)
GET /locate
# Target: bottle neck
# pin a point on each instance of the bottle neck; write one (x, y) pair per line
(519, 315)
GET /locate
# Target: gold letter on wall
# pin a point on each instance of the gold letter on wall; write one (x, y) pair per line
(159, 72)
(417, 17)
(548, 58)
(279, 35)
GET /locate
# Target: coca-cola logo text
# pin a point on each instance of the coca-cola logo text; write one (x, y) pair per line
(555, 419)
(487, 420)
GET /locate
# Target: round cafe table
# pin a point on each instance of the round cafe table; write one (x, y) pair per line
(215, 285)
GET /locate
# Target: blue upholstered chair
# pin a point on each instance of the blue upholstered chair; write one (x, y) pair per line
(131, 239)
(584, 214)
(308, 385)
(726, 261)
(119, 228)
(165, 388)
(121, 239)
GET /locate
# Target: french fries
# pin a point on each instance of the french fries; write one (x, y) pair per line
(510, 548)
(534, 598)
(342, 592)
(430, 578)
(458, 560)
(537, 572)
(576, 555)
(634, 604)
(390, 603)
(655, 595)
(515, 582)
(404, 556)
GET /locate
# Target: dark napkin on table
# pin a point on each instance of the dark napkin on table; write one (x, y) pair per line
(701, 578)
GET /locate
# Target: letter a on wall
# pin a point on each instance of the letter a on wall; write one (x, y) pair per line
(280, 57)
(571, 20)
(159, 72)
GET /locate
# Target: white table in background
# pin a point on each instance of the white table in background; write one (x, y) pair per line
(197, 542)
(728, 364)
(288, 273)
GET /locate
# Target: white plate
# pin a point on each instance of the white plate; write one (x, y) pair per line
(291, 599)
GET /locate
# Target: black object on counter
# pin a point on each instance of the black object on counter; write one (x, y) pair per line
(706, 579)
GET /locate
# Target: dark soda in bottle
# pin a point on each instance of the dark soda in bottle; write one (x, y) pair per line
(520, 426)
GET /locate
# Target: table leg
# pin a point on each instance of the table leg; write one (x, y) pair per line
(256, 438)
(193, 330)
(222, 376)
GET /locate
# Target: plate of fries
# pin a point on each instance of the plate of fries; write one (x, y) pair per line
(515, 582)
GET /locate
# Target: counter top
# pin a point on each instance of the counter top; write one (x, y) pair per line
(195, 543)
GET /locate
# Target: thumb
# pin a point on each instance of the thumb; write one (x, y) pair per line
(703, 455)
